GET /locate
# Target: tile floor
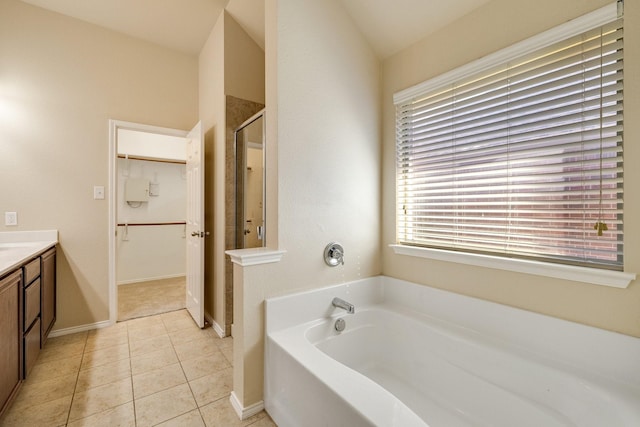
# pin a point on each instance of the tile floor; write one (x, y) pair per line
(151, 297)
(158, 370)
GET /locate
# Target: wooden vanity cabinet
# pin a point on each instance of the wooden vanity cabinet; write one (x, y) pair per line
(48, 295)
(27, 314)
(10, 337)
(31, 316)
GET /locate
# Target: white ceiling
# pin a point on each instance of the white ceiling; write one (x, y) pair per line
(388, 25)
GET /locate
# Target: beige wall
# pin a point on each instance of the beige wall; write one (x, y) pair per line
(61, 80)
(323, 94)
(496, 25)
(230, 63)
(212, 115)
(243, 63)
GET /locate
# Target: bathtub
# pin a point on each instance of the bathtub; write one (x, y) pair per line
(417, 356)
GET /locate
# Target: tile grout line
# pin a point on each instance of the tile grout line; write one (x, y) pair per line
(133, 396)
(186, 379)
(75, 386)
(213, 401)
(161, 368)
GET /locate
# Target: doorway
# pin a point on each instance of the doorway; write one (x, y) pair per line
(149, 230)
(151, 226)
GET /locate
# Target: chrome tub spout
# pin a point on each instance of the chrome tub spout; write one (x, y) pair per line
(340, 303)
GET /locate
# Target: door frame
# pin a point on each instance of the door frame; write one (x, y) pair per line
(114, 126)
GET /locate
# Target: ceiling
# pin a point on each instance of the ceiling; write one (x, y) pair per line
(184, 25)
(393, 25)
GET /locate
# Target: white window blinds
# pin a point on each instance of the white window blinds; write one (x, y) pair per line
(521, 159)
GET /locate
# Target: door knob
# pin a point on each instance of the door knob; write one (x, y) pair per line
(195, 233)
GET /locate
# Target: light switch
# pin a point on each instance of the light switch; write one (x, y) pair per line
(98, 192)
(10, 218)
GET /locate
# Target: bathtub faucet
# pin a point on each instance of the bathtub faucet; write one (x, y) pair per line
(340, 303)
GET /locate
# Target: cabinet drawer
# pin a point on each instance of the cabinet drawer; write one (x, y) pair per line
(31, 303)
(31, 271)
(31, 347)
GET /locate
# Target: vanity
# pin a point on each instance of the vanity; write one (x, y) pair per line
(27, 304)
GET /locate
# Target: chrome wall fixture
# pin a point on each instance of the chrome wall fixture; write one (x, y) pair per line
(334, 254)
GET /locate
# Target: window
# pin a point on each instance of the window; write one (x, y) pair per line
(520, 154)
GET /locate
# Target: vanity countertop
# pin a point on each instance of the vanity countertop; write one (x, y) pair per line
(16, 247)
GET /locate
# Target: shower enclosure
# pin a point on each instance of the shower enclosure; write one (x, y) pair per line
(249, 150)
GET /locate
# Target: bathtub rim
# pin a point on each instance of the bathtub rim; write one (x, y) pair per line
(607, 353)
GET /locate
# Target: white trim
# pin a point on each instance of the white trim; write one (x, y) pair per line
(111, 195)
(114, 125)
(81, 328)
(140, 127)
(564, 31)
(594, 276)
(242, 412)
(255, 256)
(218, 329)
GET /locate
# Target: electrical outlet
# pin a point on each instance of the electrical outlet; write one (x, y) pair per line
(10, 218)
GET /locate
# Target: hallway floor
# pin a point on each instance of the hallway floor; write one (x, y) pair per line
(151, 297)
(159, 370)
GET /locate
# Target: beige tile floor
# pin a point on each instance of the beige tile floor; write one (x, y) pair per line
(158, 370)
(151, 297)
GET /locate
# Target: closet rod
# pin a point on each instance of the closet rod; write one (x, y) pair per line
(136, 224)
(149, 159)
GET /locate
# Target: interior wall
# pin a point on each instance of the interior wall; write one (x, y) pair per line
(323, 92)
(243, 63)
(328, 146)
(151, 252)
(496, 25)
(212, 114)
(61, 81)
(230, 64)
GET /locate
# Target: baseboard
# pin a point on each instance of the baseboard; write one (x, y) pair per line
(81, 328)
(218, 329)
(242, 412)
(209, 319)
(147, 279)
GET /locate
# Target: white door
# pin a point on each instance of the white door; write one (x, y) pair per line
(195, 224)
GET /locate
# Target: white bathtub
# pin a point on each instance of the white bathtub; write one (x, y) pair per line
(417, 356)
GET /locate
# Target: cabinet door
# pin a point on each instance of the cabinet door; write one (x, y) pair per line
(48, 297)
(31, 347)
(10, 337)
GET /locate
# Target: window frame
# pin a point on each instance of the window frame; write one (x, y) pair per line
(570, 29)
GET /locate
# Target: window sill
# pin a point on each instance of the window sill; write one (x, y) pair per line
(616, 279)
